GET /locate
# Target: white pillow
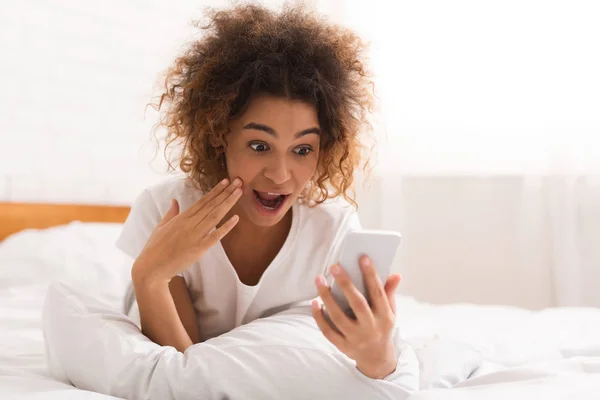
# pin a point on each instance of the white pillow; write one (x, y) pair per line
(79, 254)
(283, 356)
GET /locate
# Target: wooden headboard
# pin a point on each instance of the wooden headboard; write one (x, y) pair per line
(15, 217)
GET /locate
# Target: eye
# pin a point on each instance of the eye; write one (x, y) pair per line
(303, 151)
(258, 147)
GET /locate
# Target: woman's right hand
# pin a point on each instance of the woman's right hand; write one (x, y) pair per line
(181, 239)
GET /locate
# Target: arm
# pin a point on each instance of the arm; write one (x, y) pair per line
(185, 307)
(166, 312)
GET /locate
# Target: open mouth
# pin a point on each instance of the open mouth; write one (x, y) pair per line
(270, 202)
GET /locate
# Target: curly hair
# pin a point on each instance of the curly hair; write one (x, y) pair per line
(247, 50)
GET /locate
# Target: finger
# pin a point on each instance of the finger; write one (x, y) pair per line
(377, 295)
(216, 235)
(216, 209)
(214, 192)
(344, 324)
(334, 337)
(357, 301)
(390, 288)
(219, 198)
(171, 213)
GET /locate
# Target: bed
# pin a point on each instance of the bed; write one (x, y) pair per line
(550, 354)
(40, 244)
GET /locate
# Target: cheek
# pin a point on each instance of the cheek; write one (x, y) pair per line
(307, 168)
(240, 165)
(245, 168)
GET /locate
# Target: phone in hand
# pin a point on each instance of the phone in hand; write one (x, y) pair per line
(380, 246)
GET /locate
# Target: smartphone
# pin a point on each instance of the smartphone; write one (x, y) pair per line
(380, 246)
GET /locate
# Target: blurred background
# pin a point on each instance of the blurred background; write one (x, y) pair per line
(488, 129)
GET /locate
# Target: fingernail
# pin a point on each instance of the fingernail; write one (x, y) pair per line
(237, 182)
(224, 182)
(365, 261)
(335, 270)
(320, 281)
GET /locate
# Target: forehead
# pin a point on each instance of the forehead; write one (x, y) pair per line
(281, 114)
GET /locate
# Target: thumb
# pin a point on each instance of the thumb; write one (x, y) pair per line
(171, 213)
(390, 288)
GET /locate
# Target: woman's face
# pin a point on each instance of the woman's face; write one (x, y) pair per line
(274, 148)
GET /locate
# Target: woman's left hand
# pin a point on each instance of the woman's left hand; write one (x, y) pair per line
(368, 338)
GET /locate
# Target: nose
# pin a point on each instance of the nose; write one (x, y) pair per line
(277, 171)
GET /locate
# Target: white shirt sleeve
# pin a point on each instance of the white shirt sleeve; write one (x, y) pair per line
(141, 221)
(143, 218)
(407, 370)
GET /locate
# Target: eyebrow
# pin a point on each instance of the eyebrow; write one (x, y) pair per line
(272, 132)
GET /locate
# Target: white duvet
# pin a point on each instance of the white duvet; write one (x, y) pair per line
(552, 354)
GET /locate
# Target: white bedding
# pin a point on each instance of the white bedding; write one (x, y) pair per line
(552, 354)
(80, 254)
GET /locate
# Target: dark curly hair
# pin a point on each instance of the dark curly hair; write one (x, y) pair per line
(249, 49)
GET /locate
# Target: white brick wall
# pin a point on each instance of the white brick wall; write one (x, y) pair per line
(75, 77)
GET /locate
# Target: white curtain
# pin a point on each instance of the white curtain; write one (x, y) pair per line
(489, 144)
(489, 158)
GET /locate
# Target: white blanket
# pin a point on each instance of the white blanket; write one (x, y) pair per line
(545, 375)
(551, 354)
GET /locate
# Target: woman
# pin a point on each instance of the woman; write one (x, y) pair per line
(267, 110)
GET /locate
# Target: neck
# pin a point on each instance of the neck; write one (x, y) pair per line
(246, 229)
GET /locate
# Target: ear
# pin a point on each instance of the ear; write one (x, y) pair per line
(215, 141)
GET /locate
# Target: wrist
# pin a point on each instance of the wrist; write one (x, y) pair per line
(379, 371)
(144, 277)
(379, 367)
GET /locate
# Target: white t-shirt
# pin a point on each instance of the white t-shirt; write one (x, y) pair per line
(221, 300)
